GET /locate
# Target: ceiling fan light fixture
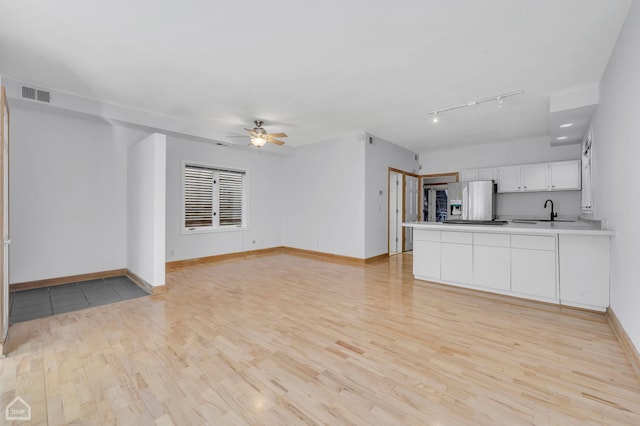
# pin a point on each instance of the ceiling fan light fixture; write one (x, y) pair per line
(259, 141)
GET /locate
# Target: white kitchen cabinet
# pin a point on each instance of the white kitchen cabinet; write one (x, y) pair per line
(488, 173)
(426, 259)
(533, 266)
(556, 176)
(492, 261)
(584, 271)
(565, 175)
(456, 262)
(535, 177)
(533, 272)
(509, 179)
(468, 175)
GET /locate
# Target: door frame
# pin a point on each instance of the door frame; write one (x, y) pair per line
(404, 201)
(4, 247)
(443, 179)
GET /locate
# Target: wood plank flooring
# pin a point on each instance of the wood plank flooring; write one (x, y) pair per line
(283, 339)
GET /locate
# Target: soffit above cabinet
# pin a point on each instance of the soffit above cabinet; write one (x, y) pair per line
(570, 114)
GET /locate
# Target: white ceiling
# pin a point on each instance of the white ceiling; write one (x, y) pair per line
(318, 70)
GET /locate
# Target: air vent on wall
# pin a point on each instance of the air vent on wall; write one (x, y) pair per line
(36, 94)
(28, 92)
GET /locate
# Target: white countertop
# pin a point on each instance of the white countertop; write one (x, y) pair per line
(578, 227)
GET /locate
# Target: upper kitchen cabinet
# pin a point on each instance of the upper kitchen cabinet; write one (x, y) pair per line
(556, 176)
(565, 175)
(535, 177)
(510, 179)
(468, 175)
(487, 173)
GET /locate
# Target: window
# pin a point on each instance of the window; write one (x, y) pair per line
(213, 198)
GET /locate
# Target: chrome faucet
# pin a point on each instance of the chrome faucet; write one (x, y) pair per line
(553, 215)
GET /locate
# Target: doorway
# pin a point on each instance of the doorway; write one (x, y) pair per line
(395, 212)
(404, 206)
(411, 214)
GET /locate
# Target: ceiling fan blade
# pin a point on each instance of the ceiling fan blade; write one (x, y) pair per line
(278, 135)
(275, 141)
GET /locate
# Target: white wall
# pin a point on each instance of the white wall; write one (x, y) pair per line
(616, 153)
(536, 150)
(325, 197)
(265, 199)
(67, 193)
(146, 186)
(379, 156)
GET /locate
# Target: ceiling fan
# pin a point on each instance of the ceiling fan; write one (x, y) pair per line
(259, 136)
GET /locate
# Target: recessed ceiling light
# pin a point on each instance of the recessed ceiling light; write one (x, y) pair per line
(561, 138)
(565, 125)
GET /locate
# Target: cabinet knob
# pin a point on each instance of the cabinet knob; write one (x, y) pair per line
(525, 187)
(553, 186)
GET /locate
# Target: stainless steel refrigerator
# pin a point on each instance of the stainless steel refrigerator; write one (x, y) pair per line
(471, 200)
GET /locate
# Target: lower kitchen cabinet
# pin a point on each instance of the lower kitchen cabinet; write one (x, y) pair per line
(491, 267)
(584, 270)
(426, 259)
(456, 262)
(566, 268)
(533, 272)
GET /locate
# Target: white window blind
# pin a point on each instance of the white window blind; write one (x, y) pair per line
(230, 198)
(213, 198)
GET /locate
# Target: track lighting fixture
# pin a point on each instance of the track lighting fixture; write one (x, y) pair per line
(498, 98)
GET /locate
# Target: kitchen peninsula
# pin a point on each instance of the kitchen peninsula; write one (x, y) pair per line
(558, 262)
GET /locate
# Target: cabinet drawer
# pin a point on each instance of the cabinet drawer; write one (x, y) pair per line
(456, 237)
(493, 240)
(425, 235)
(535, 242)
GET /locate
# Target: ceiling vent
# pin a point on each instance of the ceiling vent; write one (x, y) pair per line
(36, 94)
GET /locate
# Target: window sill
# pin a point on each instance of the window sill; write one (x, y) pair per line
(212, 230)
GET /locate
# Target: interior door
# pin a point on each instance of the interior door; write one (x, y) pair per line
(395, 212)
(4, 218)
(411, 184)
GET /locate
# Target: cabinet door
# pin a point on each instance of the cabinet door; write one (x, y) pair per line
(509, 179)
(584, 271)
(456, 262)
(535, 177)
(490, 173)
(491, 267)
(426, 259)
(565, 175)
(468, 175)
(533, 272)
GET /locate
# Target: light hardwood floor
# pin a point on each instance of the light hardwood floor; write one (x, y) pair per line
(283, 339)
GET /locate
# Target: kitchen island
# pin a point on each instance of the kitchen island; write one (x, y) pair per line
(558, 262)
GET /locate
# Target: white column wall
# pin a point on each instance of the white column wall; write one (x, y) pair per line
(146, 171)
(379, 156)
(616, 153)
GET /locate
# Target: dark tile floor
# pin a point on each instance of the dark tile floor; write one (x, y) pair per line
(42, 302)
